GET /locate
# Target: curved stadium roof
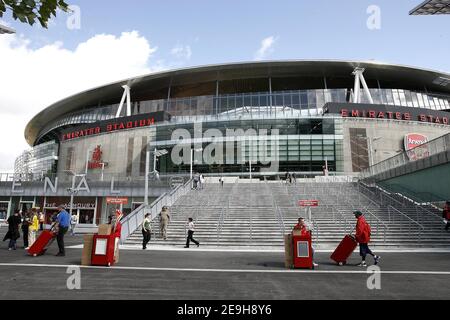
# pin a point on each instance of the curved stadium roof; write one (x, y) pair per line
(392, 76)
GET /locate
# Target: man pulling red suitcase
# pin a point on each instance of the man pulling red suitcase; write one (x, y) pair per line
(349, 243)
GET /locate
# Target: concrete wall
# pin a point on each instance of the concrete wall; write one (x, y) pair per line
(432, 184)
(392, 134)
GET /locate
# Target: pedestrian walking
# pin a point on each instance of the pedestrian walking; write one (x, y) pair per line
(446, 215)
(41, 221)
(146, 231)
(26, 230)
(202, 182)
(222, 181)
(191, 230)
(164, 221)
(34, 227)
(13, 231)
(73, 223)
(294, 177)
(362, 236)
(196, 181)
(63, 224)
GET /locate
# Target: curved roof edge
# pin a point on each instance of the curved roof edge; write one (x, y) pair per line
(114, 89)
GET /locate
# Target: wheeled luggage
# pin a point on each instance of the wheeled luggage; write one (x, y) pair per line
(42, 243)
(344, 250)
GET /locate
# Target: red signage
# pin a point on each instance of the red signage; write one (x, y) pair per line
(96, 162)
(415, 146)
(116, 200)
(308, 203)
(112, 125)
(108, 128)
(406, 116)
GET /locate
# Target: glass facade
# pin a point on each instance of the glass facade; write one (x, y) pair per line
(297, 103)
(37, 162)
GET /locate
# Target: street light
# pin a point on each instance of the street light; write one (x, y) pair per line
(192, 157)
(156, 153)
(73, 190)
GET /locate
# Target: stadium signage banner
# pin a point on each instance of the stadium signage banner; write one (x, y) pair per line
(377, 111)
(119, 124)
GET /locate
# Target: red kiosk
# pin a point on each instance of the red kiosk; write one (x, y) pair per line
(302, 247)
(105, 247)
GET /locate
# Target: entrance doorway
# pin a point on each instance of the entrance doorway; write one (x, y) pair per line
(86, 216)
(4, 206)
(26, 206)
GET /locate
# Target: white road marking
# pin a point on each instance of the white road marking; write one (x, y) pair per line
(404, 272)
(264, 250)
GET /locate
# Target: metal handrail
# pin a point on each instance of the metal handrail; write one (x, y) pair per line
(421, 227)
(384, 225)
(417, 204)
(132, 222)
(407, 217)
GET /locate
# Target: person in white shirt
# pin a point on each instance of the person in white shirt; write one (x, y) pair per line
(191, 230)
(73, 223)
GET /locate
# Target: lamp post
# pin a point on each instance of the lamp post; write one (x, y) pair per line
(73, 190)
(192, 158)
(156, 154)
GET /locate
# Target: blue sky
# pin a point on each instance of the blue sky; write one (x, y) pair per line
(225, 31)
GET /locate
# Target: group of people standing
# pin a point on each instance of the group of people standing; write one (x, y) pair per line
(198, 182)
(291, 178)
(32, 222)
(29, 223)
(164, 220)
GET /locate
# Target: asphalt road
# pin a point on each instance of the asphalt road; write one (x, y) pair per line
(199, 275)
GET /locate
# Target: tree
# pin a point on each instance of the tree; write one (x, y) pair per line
(28, 11)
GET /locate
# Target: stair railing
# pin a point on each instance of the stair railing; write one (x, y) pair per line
(132, 221)
(411, 222)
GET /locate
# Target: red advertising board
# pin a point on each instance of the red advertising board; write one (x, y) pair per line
(308, 203)
(111, 200)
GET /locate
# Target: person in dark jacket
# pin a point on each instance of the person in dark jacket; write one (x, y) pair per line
(446, 215)
(362, 236)
(26, 229)
(13, 231)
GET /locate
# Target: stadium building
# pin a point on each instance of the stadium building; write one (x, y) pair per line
(303, 115)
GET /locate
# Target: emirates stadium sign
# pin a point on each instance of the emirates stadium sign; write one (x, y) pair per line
(416, 146)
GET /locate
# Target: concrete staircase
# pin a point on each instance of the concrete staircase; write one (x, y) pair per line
(257, 214)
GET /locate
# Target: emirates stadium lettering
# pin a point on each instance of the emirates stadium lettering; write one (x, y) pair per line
(108, 126)
(406, 116)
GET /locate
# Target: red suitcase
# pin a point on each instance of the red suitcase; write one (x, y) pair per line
(42, 243)
(344, 250)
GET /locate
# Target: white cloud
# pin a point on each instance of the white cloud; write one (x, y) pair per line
(266, 48)
(32, 79)
(182, 52)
